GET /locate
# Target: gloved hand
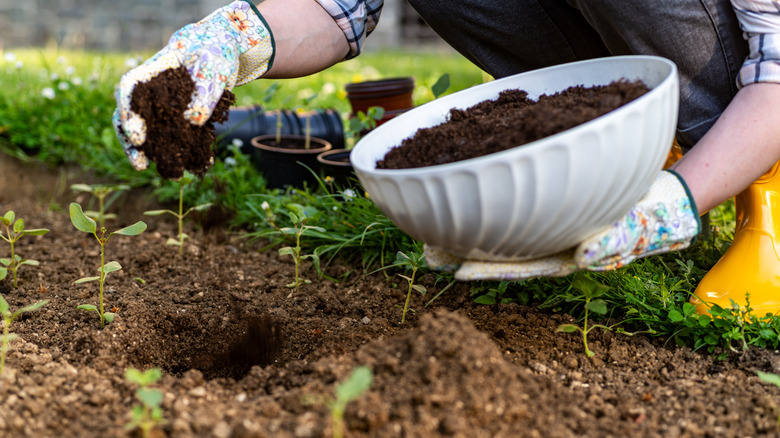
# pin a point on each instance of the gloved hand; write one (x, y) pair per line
(664, 220)
(230, 47)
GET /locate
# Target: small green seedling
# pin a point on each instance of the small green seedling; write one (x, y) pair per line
(591, 290)
(8, 318)
(414, 261)
(307, 129)
(279, 123)
(364, 122)
(14, 230)
(101, 192)
(183, 181)
(495, 295)
(356, 384)
(88, 225)
(299, 218)
(148, 415)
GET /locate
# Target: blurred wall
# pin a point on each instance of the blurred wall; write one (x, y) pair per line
(142, 24)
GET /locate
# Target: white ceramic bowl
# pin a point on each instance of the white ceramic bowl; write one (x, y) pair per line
(539, 198)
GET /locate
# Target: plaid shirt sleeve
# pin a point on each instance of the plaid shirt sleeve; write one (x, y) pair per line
(356, 18)
(760, 23)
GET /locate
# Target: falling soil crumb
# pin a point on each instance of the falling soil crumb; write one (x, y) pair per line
(509, 121)
(172, 142)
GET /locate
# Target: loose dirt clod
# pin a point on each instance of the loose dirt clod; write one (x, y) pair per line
(509, 121)
(172, 142)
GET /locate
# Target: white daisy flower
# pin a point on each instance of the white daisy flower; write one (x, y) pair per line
(10, 57)
(63, 86)
(48, 93)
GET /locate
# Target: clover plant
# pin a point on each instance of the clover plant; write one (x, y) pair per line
(8, 318)
(101, 192)
(14, 230)
(148, 414)
(591, 290)
(181, 214)
(88, 225)
(299, 217)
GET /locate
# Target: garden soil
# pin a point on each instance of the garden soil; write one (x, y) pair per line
(245, 356)
(509, 121)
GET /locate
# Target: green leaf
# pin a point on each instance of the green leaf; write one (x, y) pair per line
(19, 225)
(111, 267)
(81, 188)
(3, 273)
(87, 307)
(599, 306)
(86, 280)
(8, 217)
(133, 230)
(420, 288)
(356, 384)
(3, 305)
(159, 212)
(35, 232)
(675, 316)
(80, 220)
(202, 207)
(29, 263)
(567, 328)
(441, 85)
(5, 261)
(109, 316)
(589, 287)
(32, 307)
(151, 397)
(485, 299)
(287, 251)
(144, 378)
(769, 378)
(172, 241)
(704, 320)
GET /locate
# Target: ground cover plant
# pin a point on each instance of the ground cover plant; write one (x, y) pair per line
(240, 355)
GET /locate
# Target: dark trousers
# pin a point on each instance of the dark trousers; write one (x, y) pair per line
(505, 37)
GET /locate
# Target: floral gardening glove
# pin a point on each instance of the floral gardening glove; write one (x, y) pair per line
(230, 47)
(664, 220)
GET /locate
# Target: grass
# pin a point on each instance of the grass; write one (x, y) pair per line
(55, 108)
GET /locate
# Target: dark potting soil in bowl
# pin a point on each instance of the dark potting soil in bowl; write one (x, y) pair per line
(172, 142)
(509, 121)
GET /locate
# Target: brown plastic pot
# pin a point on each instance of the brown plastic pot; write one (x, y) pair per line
(392, 94)
(287, 164)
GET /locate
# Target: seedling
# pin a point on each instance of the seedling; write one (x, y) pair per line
(279, 123)
(347, 391)
(591, 291)
(299, 218)
(494, 295)
(364, 121)
(414, 261)
(307, 131)
(183, 181)
(8, 318)
(148, 414)
(101, 192)
(14, 230)
(88, 225)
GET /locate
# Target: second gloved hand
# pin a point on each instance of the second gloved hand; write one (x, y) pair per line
(230, 47)
(664, 220)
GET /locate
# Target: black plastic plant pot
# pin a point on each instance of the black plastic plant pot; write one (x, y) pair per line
(335, 166)
(287, 164)
(246, 122)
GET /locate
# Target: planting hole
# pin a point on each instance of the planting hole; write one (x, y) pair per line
(216, 347)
